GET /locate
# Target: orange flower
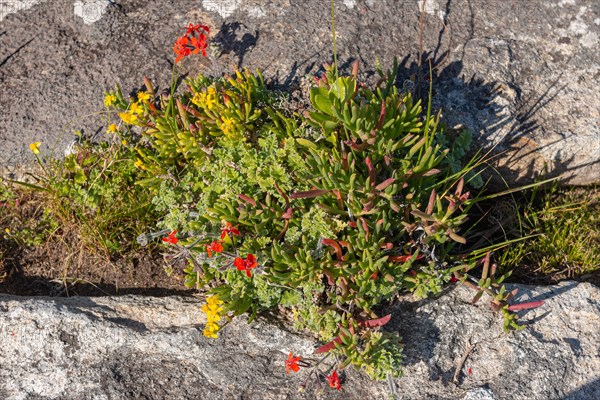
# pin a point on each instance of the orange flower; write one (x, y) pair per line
(229, 230)
(171, 238)
(199, 44)
(291, 364)
(334, 381)
(214, 247)
(192, 42)
(246, 265)
(181, 48)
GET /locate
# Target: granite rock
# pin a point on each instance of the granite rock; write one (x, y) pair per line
(134, 347)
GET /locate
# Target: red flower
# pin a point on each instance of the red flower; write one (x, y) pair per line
(291, 364)
(191, 28)
(228, 230)
(199, 44)
(181, 48)
(214, 247)
(334, 381)
(454, 279)
(246, 265)
(470, 371)
(192, 42)
(171, 238)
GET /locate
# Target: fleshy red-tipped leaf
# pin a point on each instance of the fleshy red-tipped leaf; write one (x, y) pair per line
(493, 269)
(423, 216)
(457, 238)
(459, 187)
(486, 266)
(371, 170)
(431, 172)
(336, 247)
(512, 294)
(247, 199)
(329, 346)
(431, 203)
(385, 184)
(372, 323)
(470, 285)
(381, 118)
(405, 258)
(355, 66)
(525, 306)
(308, 194)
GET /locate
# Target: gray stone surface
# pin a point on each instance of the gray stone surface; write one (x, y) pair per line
(523, 75)
(152, 348)
(556, 357)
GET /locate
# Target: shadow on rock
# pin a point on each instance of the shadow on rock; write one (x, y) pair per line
(19, 284)
(419, 334)
(229, 43)
(589, 391)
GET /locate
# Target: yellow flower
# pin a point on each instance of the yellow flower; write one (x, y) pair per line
(210, 317)
(135, 108)
(110, 99)
(143, 96)
(138, 163)
(35, 147)
(211, 310)
(199, 99)
(211, 329)
(128, 118)
(7, 230)
(228, 126)
(211, 98)
(210, 334)
(124, 142)
(112, 128)
(213, 301)
(206, 99)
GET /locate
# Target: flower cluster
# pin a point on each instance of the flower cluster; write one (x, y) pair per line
(192, 42)
(242, 264)
(136, 109)
(212, 309)
(207, 99)
(109, 99)
(217, 246)
(214, 247)
(228, 126)
(246, 264)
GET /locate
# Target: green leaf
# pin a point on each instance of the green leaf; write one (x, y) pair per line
(324, 104)
(306, 143)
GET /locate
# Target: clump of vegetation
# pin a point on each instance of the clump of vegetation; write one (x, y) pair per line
(324, 216)
(566, 228)
(91, 189)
